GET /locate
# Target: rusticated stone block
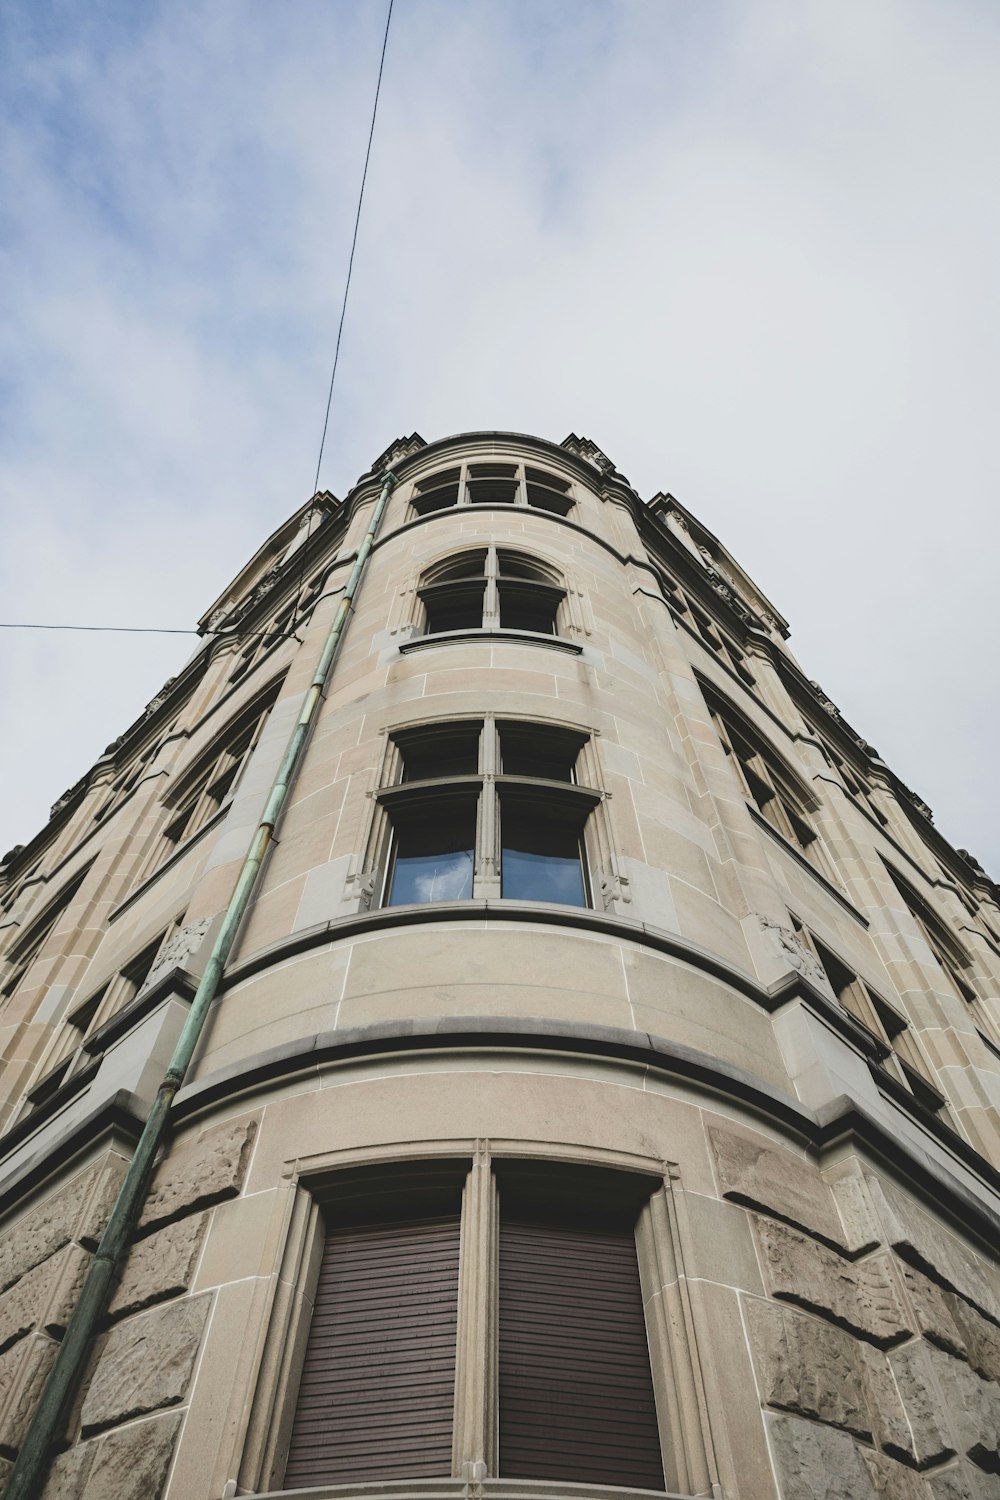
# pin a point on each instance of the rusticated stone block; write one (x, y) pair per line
(132, 1464)
(753, 1171)
(963, 1481)
(146, 1363)
(807, 1367)
(892, 1481)
(982, 1339)
(860, 1295)
(924, 1400)
(861, 1229)
(934, 1309)
(924, 1242)
(818, 1463)
(78, 1211)
(199, 1172)
(22, 1374)
(160, 1266)
(888, 1419)
(44, 1297)
(68, 1473)
(974, 1408)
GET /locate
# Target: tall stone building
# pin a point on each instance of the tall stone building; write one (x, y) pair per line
(603, 1087)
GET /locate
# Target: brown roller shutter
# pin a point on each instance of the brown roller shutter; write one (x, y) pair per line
(378, 1381)
(576, 1395)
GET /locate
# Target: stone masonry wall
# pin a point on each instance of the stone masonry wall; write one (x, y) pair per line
(877, 1358)
(126, 1420)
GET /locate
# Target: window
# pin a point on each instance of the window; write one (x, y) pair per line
(493, 484)
(202, 792)
(953, 962)
(558, 1347)
(907, 1062)
(491, 588)
(25, 949)
(857, 787)
(486, 809)
(769, 789)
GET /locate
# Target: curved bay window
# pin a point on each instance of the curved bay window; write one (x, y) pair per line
(492, 1315)
(493, 483)
(486, 809)
(491, 588)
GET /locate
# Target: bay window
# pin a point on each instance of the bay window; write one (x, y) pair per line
(485, 1308)
(485, 809)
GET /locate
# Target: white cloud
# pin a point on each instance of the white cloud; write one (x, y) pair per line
(749, 249)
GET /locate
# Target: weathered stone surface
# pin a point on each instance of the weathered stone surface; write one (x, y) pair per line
(924, 1400)
(889, 1424)
(807, 1367)
(927, 1244)
(45, 1296)
(933, 1307)
(973, 1405)
(982, 1339)
(963, 1481)
(892, 1481)
(133, 1464)
(160, 1266)
(199, 1172)
(861, 1229)
(5, 1467)
(862, 1296)
(68, 1473)
(818, 1463)
(22, 1373)
(77, 1211)
(753, 1171)
(145, 1364)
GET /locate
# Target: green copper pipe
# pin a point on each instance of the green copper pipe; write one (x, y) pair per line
(29, 1472)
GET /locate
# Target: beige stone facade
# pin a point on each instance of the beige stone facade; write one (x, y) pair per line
(685, 926)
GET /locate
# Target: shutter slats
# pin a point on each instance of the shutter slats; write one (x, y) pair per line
(378, 1379)
(576, 1394)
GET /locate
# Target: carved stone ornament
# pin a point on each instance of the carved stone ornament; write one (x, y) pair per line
(825, 702)
(586, 448)
(364, 885)
(797, 954)
(614, 887)
(159, 699)
(180, 947)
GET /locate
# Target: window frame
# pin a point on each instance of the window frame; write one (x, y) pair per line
(770, 789)
(446, 581)
(209, 785)
(905, 1059)
(532, 488)
(490, 785)
(685, 1435)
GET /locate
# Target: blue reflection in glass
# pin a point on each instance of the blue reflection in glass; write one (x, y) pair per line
(432, 877)
(543, 877)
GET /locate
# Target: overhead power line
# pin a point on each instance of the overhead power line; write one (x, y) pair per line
(343, 305)
(157, 630)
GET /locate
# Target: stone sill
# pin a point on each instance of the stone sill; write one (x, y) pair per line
(481, 637)
(179, 853)
(459, 1489)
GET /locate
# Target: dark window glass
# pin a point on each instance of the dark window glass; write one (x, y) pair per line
(527, 750)
(434, 853)
(528, 607)
(540, 853)
(454, 606)
(492, 484)
(453, 751)
(437, 493)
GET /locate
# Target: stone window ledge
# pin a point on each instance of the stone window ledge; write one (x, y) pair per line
(800, 859)
(511, 637)
(458, 1489)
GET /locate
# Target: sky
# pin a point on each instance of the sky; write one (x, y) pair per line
(749, 248)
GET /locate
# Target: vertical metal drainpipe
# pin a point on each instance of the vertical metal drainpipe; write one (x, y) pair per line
(29, 1472)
